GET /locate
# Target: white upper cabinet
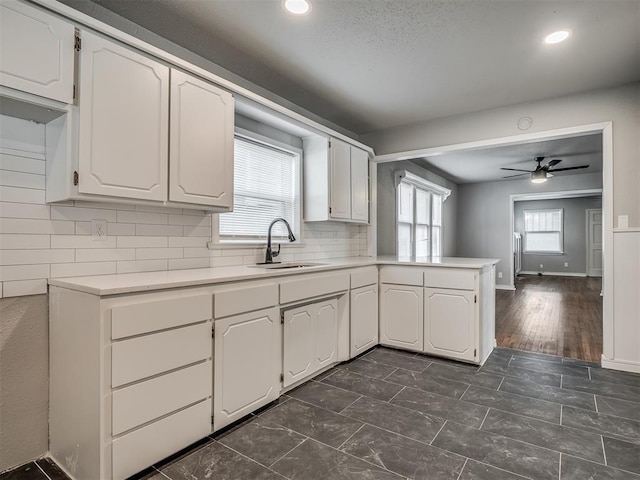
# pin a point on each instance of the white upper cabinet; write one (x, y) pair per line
(201, 156)
(36, 51)
(336, 181)
(124, 122)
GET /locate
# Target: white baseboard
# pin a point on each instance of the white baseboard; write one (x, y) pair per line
(555, 274)
(505, 287)
(623, 365)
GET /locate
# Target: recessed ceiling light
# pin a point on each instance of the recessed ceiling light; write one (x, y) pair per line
(297, 7)
(557, 37)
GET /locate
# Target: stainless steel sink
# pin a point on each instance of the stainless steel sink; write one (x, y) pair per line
(279, 266)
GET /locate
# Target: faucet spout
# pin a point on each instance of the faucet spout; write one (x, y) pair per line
(270, 253)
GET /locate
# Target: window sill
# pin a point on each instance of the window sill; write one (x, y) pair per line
(544, 253)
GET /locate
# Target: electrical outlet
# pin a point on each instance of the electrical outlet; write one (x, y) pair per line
(541, 266)
(499, 274)
(566, 264)
(99, 229)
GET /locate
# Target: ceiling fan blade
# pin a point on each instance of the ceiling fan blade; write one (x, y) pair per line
(516, 170)
(569, 168)
(553, 162)
(517, 175)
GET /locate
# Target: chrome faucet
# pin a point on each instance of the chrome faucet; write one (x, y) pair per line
(270, 253)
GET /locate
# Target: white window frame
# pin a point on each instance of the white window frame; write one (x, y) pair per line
(403, 176)
(526, 232)
(218, 242)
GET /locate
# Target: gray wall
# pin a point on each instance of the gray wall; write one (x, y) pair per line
(387, 207)
(24, 379)
(575, 234)
(484, 214)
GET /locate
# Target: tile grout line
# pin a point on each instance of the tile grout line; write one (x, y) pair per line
(485, 417)
(501, 382)
(40, 468)
(251, 459)
(399, 392)
(561, 410)
(287, 453)
(595, 401)
(340, 412)
(560, 467)
(604, 452)
(466, 460)
(436, 435)
(161, 473)
(350, 436)
(589, 371)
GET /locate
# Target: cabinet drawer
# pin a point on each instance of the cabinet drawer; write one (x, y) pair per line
(153, 315)
(139, 449)
(143, 357)
(457, 278)
(364, 276)
(146, 401)
(401, 275)
(245, 299)
(313, 286)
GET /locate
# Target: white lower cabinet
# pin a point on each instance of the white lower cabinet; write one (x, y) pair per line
(310, 339)
(401, 316)
(364, 319)
(450, 323)
(248, 363)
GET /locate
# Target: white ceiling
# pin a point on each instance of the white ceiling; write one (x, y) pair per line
(369, 65)
(483, 165)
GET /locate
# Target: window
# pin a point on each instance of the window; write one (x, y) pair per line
(543, 231)
(419, 214)
(266, 186)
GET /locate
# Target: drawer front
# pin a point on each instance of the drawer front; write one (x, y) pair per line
(310, 286)
(245, 299)
(146, 401)
(153, 315)
(144, 447)
(142, 357)
(457, 278)
(364, 276)
(401, 275)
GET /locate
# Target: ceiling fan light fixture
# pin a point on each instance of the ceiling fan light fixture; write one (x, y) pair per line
(297, 7)
(557, 37)
(539, 176)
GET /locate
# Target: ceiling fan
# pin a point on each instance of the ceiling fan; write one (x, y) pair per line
(542, 172)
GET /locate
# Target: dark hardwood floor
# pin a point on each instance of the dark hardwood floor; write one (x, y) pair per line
(554, 315)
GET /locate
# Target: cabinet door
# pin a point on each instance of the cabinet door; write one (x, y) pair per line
(326, 336)
(247, 363)
(299, 343)
(201, 156)
(36, 52)
(124, 122)
(340, 175)
(450, 321)
(359, 185)
(364, 319)
(401, 316)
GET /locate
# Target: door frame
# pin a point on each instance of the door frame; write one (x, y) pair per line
(604, 128)
(587, 220)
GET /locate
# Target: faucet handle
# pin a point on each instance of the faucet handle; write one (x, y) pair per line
(275, 254)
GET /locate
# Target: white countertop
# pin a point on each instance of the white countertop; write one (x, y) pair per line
(148, 281)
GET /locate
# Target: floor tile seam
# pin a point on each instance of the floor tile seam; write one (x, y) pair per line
(395, 369)
(546, 371)
(399, 392)
(438, 433)
(40, 468)
(601, 395)
(466, 460)
(501, 382)
(340, 412)
(500, 468)
(351, 436)
(604, 450)
(252, 460)
(321, 408)
(560, 467)
(484, 418)
(354, 373)
(519, 377)
(635, 475)
(423, 390)
(517, 395)
(161, 473)
(607, 414)
(288, 452)
(543, 399)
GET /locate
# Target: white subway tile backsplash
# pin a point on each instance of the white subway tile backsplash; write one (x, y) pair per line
(32, 256)
(142, 266)
(82, 269)
(40, 241)
(105, 254)
(13, 241)
(24, 272)
(79, 213)
(24, 287)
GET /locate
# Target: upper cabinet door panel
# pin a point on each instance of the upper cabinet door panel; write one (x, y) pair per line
(359, 185)
(201, 166)
(36, 52)
(124, 122)
(340, 187)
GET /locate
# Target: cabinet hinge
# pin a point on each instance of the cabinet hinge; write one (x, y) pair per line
(475, 299)
(213, 331)
(475, 352)
(282, 377)
(76, 177)
(329, 143)
(329, 209)
(74, 92)
(281, 318)
(211, 419)
(77, 44)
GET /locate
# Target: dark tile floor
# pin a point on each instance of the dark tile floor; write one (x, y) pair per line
(394, 415)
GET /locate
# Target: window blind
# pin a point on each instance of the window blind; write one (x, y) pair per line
(543, 231)
(266, 186)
